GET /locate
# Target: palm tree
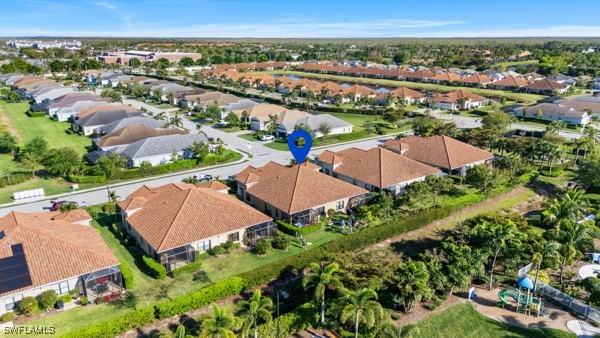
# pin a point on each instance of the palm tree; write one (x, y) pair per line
(567, 208)
(160, 116)
(176, 121)
(219, 325)
(255, 309)
(362, 307)
(412, 280)
(322, 278)
(592, 133)
(549, 250)
(271, 124)
(574, 238)
(112, 200)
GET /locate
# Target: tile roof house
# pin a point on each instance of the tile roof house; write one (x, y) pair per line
(159, 149)
(204, 100)
(458, 100)
(375, 169)
(53, 251)
(547, 87)
(446, 77)
(105, 107)
(443, 152)
(299, 194)
(133, 133)
(90, 124)
(130, 121)
(259, 115)
(66, 107)
(554, 112)
(409, 96)
(509, 83)
(476, 80)
(583, 103)
(315, 122)
(174, 221)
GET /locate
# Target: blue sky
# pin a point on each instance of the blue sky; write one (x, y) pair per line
(300, 18)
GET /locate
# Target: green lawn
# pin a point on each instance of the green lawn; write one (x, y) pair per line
(7, 163)
(521, 97)
(463, 321)
(51, 187)
(26, 128)
(283, 146)
(504, 65)
(248, 137)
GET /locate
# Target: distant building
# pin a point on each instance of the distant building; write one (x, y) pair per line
(44, 44)
(554, 112)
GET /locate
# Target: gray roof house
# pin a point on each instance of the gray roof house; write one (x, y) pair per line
(159, 150)
(51, 93)
(113, 79)
(554, 112)
(90, 123)
(129, 121)
(336, 125)
(239, 105)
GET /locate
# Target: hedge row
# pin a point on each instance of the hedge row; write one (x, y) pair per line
(126, 274)
(114, 326)
(341, 137)
(199, 298)
(86, 179)
(35, 113)
(155, 269)
(294, 230)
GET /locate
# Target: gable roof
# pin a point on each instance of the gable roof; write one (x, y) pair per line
(105, 107)
(161, 145)
(377, 166)
(406, 92)
(134, 120)
(55, 247)
(476, 79)
(512, 81)
(546, 84)
(296, 188)
(104, 117)
(72, 98)
(178, 214)
(455, 96)
(439, 151)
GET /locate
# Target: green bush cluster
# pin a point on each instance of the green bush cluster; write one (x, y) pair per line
(87, 179)
(190, 267)
(294, 230)
(13, 179)
(47, 299)
(7, 317)
(340, 137)
(28, 306)
(223, 249)
(126, 275)
(154, 268)
(262, 246)
(290, 323)
(140, 317)
(35, 113)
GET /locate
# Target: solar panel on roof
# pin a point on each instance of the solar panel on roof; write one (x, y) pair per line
(14, 272)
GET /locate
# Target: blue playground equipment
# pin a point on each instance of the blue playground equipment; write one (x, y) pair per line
(526, 303)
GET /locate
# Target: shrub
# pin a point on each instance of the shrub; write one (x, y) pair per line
(591, 284)
(28, 306)
(154, 268)
(7, 317)
(280, 241)
(86, 179)
(217, 251)
(14, 178)
(35, 113)
(290, 323)
(126, 274)
(190, 267)
(83, 300)
(262, 246)
(199, 298)
(230, 246)
(294, 230)
(116, 325)
(47, 299)
(66, 298)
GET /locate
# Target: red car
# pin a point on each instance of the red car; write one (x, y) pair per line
(57, 204)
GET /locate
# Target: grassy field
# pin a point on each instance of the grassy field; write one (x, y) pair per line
(491, 93)
(51, 187)
(26, 128)
(463, 321)
(505, 65)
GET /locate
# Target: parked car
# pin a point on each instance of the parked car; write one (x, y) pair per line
(204, 177)
(267, 137)
(56, 205)
(222, 124)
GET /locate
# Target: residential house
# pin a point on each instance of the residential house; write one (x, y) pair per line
(375, 169)
(260, 115)
(90, 124)
(299, 194)
(132, 121)
(443, 152)
(509, 83)
(564, 79)
(476, 80)
(160, 149)
(445, 78)
(66, 107)
(133, 133)
(355, 93)
(591, 104)
(173, 222)
(554, 112)
(458, 100)
(170, 90)
(547, 87)
(315, 123)
(408, 96)
(53, 251)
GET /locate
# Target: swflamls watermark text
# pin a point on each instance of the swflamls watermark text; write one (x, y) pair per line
(30, 329)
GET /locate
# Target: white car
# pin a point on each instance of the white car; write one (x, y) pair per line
(267, 137)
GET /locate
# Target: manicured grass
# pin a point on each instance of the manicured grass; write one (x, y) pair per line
(278, 145)
(51, 187)
(248, 137)
(504, 65)
(26, 128)
(521, 97)
(7, 163)
(242, 261)
(463, 321)
(357, 120)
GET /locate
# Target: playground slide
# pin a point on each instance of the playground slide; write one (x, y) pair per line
(504, 293)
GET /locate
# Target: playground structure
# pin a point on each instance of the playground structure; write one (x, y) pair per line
(527, 304)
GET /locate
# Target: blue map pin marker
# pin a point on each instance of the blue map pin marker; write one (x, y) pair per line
(300, 153)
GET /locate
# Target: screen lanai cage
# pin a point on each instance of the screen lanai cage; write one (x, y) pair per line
(102, 282)
(180, 256)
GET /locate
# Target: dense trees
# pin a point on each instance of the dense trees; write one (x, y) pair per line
(321, 278)
(253, 310)
(61, 161)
